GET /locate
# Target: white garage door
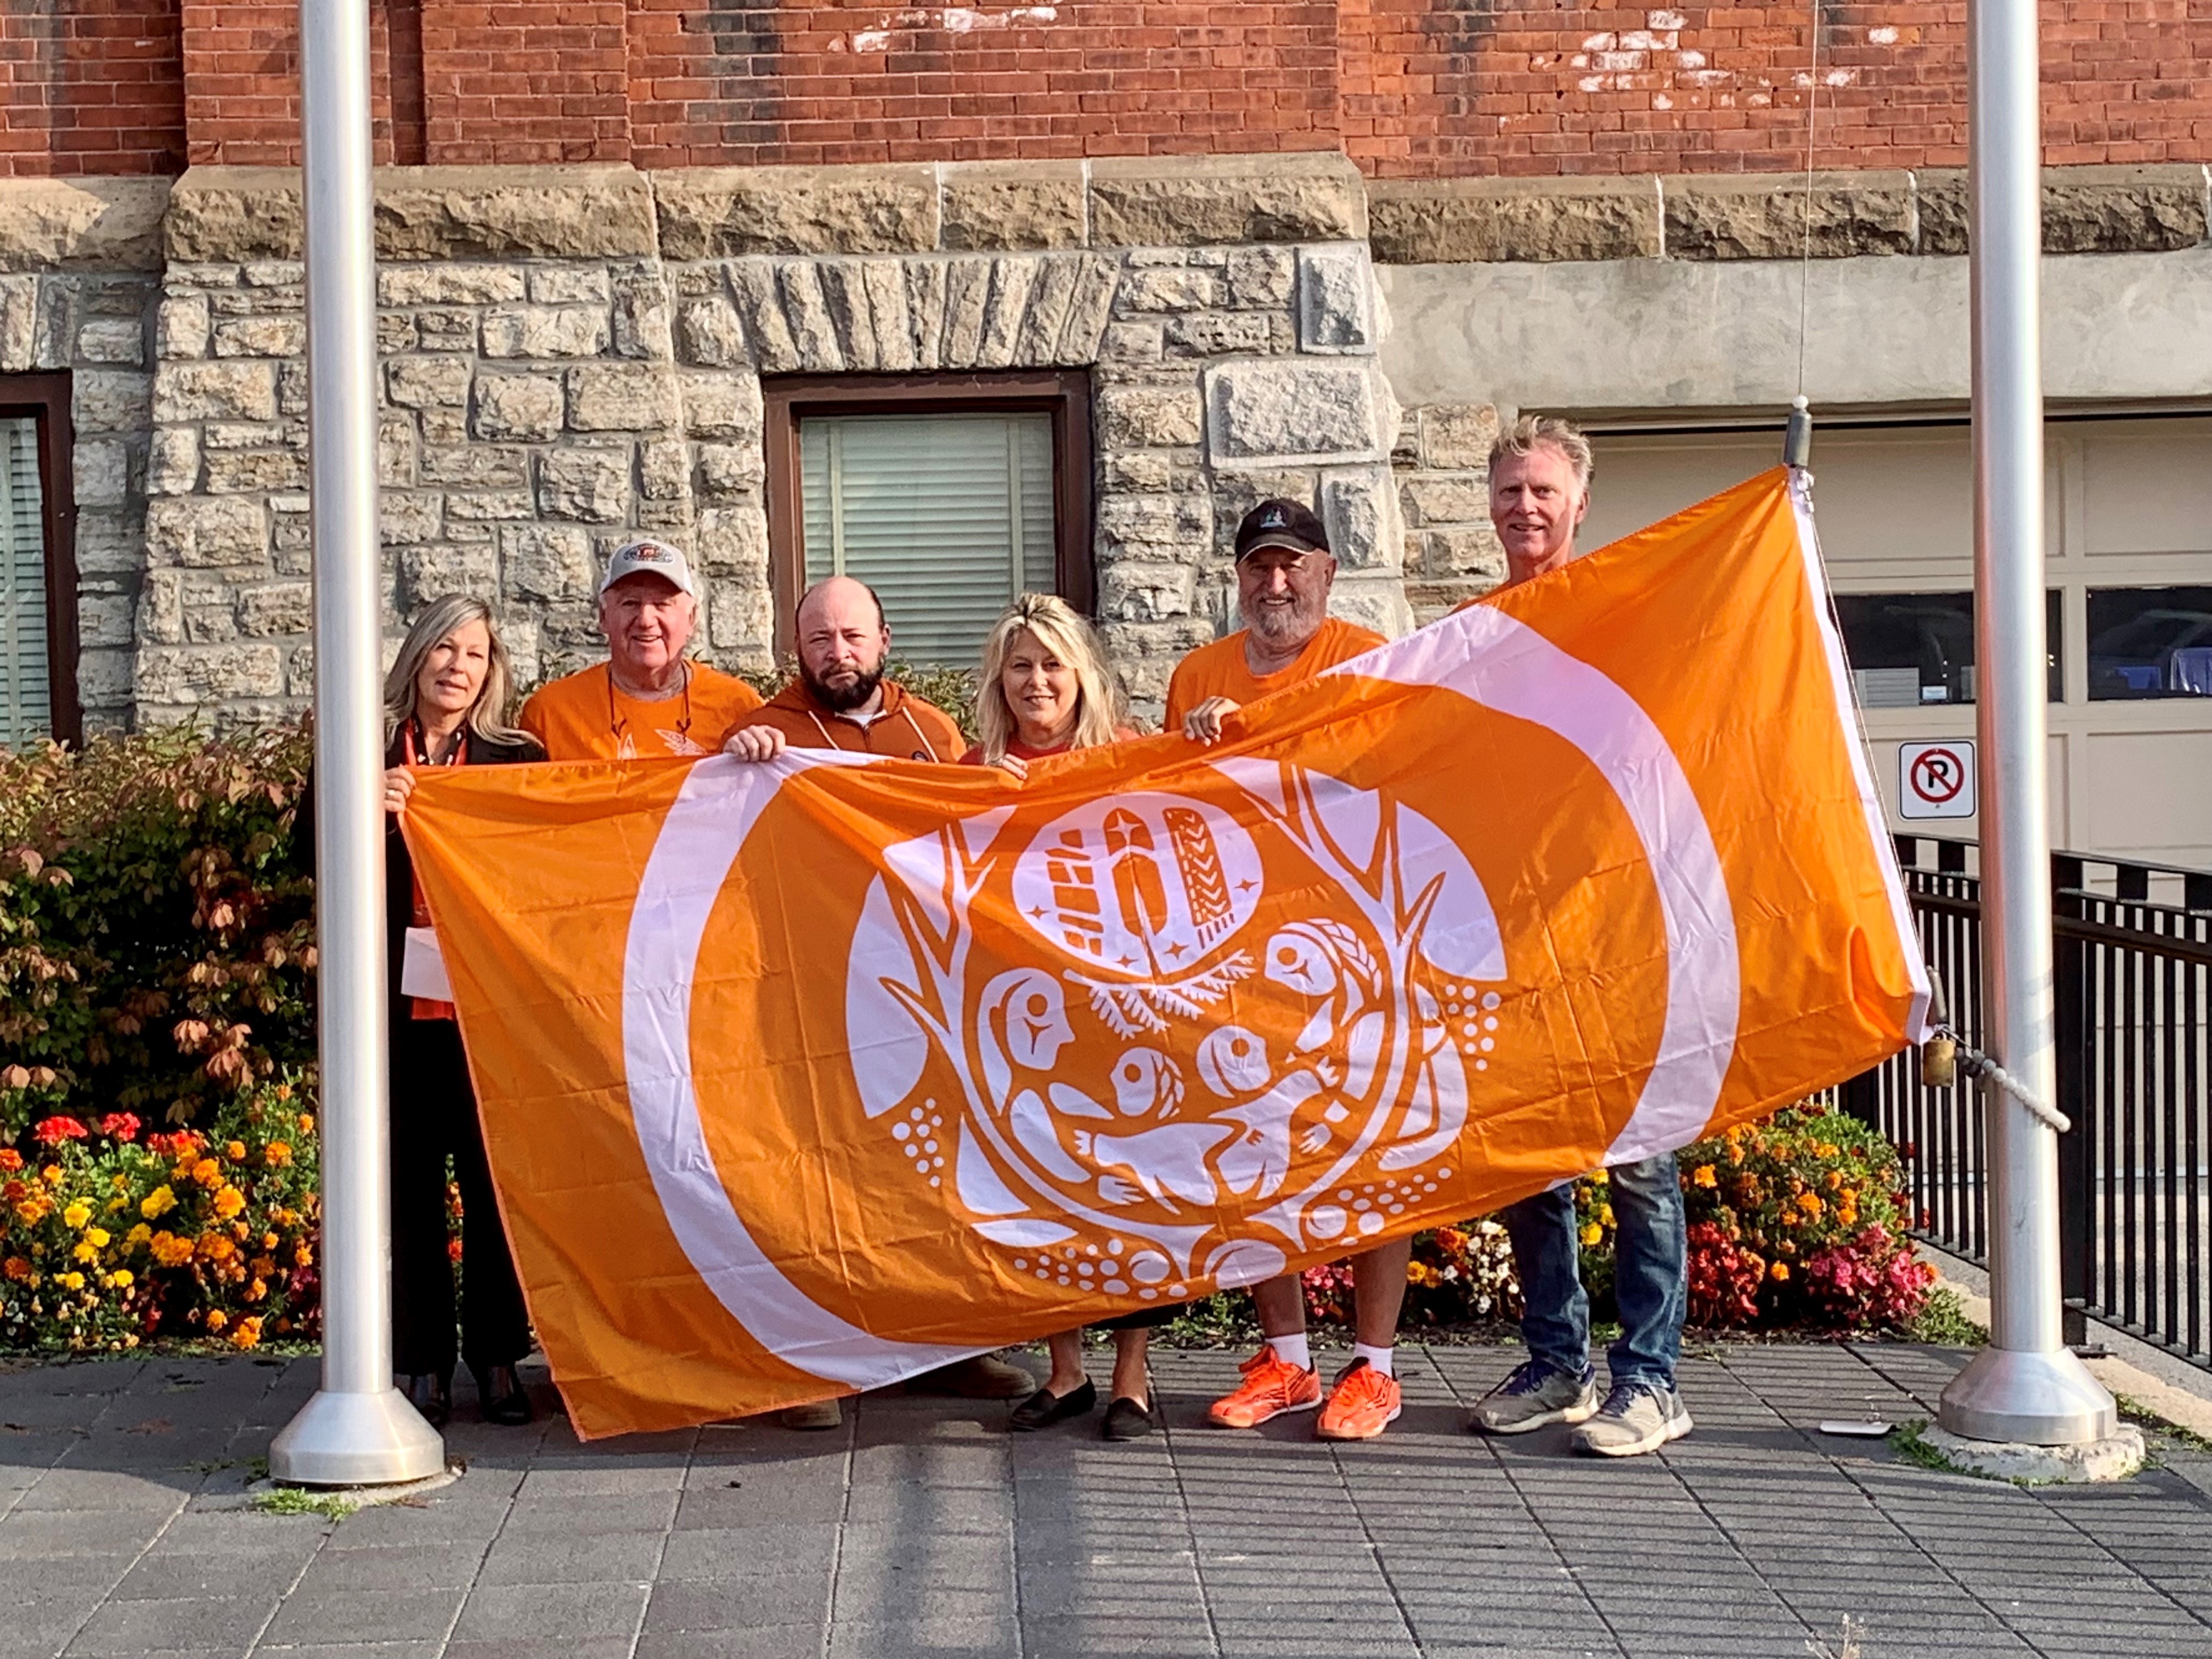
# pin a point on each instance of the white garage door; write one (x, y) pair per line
(2130, 540)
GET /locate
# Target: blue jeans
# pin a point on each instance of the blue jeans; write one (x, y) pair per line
(1650, 1249)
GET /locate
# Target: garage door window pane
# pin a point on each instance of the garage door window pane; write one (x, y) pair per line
(26, 715)
(2150, 642)
(1910, 649)
(947, 517)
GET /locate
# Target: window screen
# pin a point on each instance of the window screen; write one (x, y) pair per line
(946, 516)
(1909, 649)
(26, 715)
(2149, 643)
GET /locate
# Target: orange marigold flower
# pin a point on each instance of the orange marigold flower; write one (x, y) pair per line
(1703, 1176)
(1810, 1203)
(303, 1257)
(234, 1150)
(306, 1123)
(16, 1268)
(217, 1319)
(267, 1241)
(32, 1211)
(248, 1334)
(229, 1202)
(50, 1174)
(1778, 1272)
(257, 1289)
(169, 1250)
(10, 1159)
(454, 1249)
(215, 1247)
(207, 1172)
(277, 1153)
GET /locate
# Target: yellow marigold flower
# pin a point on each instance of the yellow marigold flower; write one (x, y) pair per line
(234, 1150)
(96, 1237)
(1703, 1176)
(1778, 1272)
(1598, 1175)
(84, 1252)
(1592, 1233)
(276, 1154)
(1605, 1215)
(69, 1281)
(122, 1279)
(77, 1212)
(208, 1172)
(229, 1202)
(157, 1203)
(217, 1319)
(137, 1236)
(246, 1335)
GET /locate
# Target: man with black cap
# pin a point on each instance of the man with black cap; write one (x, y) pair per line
(1284, 573)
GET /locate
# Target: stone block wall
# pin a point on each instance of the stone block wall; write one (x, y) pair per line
(571, 357)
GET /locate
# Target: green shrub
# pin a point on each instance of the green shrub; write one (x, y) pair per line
(156, 931)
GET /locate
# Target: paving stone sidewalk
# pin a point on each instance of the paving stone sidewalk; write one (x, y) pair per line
(923, 1529)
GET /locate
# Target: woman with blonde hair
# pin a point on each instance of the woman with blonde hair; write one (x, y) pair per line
(1046, 689)
(447, 702)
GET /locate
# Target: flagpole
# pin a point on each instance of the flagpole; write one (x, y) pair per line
(2026, 1386)
(357, 1430)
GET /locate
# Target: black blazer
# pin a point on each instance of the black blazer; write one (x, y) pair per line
(398, 866)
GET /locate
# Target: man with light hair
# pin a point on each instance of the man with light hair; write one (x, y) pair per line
(1540, 482)
(648, 699)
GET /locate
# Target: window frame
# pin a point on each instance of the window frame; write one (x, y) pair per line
(46, 398)
(1063, 394)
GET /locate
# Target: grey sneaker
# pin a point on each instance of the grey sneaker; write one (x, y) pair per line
(1536, 1394)
(1635, 1418)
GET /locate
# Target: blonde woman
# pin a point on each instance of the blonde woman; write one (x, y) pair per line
(1046, 688)
(445, 703)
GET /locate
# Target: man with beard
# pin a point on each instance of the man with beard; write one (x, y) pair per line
(841, 699)
(1540, 482)
(1284, 573)
(648, 699)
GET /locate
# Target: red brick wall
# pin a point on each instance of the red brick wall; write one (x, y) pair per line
(1406, 87)
(1448, 88)
(814, 81)
(90, 86)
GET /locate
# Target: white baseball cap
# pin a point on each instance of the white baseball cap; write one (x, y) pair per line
(651, 558)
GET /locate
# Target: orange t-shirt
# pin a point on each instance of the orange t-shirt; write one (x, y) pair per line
(582, 716)
(904, 728)
(1219, 670)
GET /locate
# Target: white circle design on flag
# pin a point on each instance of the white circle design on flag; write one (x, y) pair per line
(1482, 653)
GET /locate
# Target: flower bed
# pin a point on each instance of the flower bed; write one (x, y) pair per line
(114, 1236)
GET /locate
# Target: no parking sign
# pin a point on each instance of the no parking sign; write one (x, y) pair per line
(1935, 779)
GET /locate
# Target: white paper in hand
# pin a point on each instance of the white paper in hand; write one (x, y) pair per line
(423, 969)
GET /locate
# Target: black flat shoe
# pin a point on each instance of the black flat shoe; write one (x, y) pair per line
(502, 1398)
(1044, 1408)
(431, 1393)
(1126, 1420)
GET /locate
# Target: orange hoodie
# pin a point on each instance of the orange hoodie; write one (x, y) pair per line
(903, 728)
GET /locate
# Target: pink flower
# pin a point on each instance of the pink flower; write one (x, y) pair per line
(124, 1126)
(55, 1130)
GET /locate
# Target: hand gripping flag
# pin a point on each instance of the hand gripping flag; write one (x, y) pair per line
(805, 1077)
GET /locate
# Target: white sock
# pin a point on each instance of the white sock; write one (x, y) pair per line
(1292, 1350)
(1379, 1358)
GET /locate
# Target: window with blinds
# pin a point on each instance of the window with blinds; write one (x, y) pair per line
(25, 712)
(946, 516)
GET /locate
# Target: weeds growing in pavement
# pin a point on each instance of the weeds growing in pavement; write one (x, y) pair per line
(297, 1500)
(1942, 1322)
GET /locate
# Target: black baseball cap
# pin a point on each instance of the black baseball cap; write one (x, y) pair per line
(1278, 522)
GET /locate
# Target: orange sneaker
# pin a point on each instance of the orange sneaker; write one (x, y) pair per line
(1271, 1386)
(1362, 1404)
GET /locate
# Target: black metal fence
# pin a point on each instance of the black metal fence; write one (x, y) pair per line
(2133, 955)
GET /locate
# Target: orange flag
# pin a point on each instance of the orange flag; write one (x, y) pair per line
(805, 1077)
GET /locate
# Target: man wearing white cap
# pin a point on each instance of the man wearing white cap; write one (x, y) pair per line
(648, 699)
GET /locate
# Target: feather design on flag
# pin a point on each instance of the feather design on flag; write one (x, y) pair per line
(1205, 884)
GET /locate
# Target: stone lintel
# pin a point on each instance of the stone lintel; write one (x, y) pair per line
(712, 213)
(1180, 201)
(2086, 209)
(992, 205)
(66, 224)
(227, 216)
(1460, 220)
(1763, 216)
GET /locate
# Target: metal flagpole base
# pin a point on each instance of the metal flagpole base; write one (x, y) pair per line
(357, 1440)
(2032, 1399)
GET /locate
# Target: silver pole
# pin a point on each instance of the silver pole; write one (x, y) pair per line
(2026, 1386)
(358, 1429)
